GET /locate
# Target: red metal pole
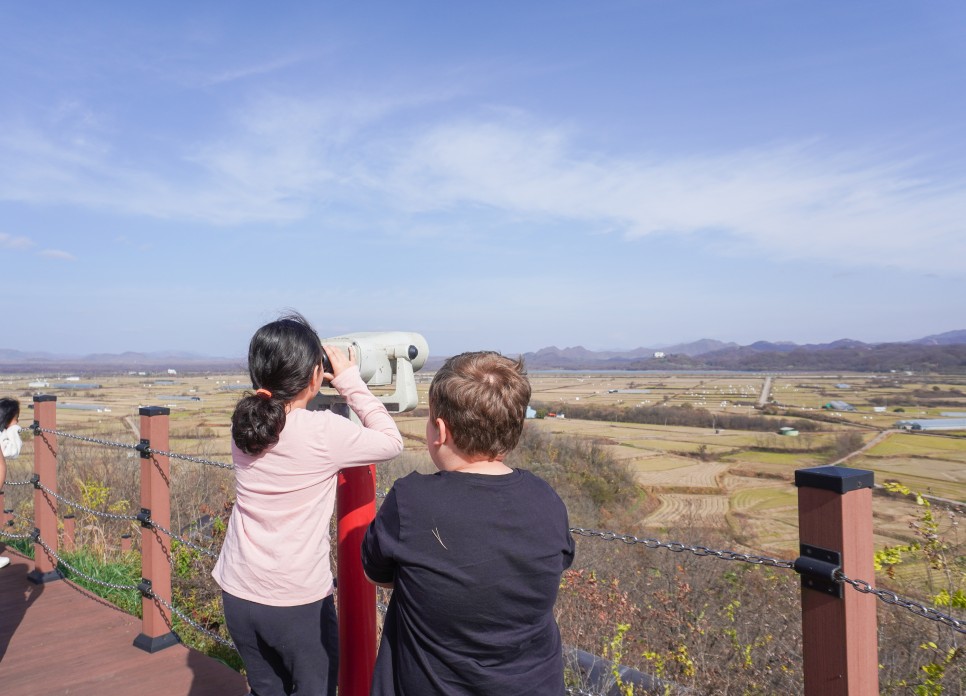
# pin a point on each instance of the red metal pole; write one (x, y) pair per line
(45, 506)
(839, 634)
(155, 546)
(356, 508)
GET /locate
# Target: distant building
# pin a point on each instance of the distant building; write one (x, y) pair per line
(659, 354)
(531, 413)
(787, 431)
(39, 384)
(879, 409)
(932, 424)
(843, 386)
(172, 372)
(838, 406)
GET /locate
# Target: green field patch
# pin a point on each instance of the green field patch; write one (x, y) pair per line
(907, 444)
(760, 499)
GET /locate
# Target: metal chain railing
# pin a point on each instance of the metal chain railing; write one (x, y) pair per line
(37, 430)
(679, 547)
(916, 608)
(191, 622)
(179, 538)
(56, 559)
(28, 482)
(74, 505)
(35, 427)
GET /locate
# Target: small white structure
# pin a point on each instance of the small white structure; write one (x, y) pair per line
(38, 384)
(172, 372)
(659, 354)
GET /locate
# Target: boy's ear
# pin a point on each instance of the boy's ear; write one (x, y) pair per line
(443, 432)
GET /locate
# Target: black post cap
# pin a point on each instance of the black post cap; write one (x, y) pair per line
(839, 479)
(154, 411)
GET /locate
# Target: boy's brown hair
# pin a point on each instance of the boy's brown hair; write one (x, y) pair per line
(482, 397)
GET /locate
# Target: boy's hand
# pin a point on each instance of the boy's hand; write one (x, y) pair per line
(340, 362)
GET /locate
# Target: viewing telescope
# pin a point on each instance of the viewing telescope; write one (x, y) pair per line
(385, 358)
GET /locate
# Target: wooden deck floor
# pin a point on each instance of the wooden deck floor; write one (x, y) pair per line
(58, 639)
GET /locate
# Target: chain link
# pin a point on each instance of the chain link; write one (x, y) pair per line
(916, 608)
(181, 539)
(77, 506)
(189, 458)
(97, 441)
(110, 443)
(28, 482)
(678, 547)
(53, 555)
(191, 622)
(8, 535)
(575, 691)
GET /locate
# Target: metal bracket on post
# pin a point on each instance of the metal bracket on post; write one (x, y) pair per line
(144, 447)
(144, 517)
(144, 587)
(818, 568)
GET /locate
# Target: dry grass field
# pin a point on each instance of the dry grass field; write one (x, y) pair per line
(726, 479)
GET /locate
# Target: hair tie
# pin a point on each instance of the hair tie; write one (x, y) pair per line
(264, 393)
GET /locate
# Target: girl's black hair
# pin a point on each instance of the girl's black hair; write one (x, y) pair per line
(281, 358)
(9, 409)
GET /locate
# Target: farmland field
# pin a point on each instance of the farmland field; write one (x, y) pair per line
(737, 480)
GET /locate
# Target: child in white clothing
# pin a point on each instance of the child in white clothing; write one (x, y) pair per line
(10, 443)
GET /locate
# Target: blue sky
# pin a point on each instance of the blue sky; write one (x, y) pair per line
(491, 175)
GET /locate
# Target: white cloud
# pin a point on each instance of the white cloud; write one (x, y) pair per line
(58, 254)
(9, 241)
(790, 201)
(282, 158)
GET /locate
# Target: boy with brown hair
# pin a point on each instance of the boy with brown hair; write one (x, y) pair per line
(474, 552)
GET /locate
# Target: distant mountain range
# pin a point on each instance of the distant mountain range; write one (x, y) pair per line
(945, 352)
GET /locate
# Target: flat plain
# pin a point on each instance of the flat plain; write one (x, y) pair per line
(703, 478)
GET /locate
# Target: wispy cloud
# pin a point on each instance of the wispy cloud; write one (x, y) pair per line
(9, 241)
(282, 158)
(58, 254)
(789, 201)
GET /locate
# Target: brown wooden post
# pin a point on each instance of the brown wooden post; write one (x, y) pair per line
(4, 515)
(45, 505)
(125, 543)
(839, 638)
(156, 631)
(70, 525)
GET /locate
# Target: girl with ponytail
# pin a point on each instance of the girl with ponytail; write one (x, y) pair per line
(274, 567)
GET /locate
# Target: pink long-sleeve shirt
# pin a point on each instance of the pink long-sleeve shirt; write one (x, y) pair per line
(276, 548)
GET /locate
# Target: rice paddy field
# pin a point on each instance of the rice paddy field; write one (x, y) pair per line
(702, 478)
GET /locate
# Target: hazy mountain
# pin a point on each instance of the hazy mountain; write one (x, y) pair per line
(944, 339)
(940, 352)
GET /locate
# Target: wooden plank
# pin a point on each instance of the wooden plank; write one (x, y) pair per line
(57, 639)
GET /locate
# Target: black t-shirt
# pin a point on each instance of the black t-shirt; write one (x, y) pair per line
(476, 561)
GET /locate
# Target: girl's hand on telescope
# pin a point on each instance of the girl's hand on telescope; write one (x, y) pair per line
(339, 360)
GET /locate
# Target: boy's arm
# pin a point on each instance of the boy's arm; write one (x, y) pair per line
(387, 585)
(3, 470)
(380, 542)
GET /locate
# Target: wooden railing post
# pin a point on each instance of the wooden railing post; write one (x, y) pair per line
(839, 639)
(156, 633)
(70, 527)
(45, 506)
